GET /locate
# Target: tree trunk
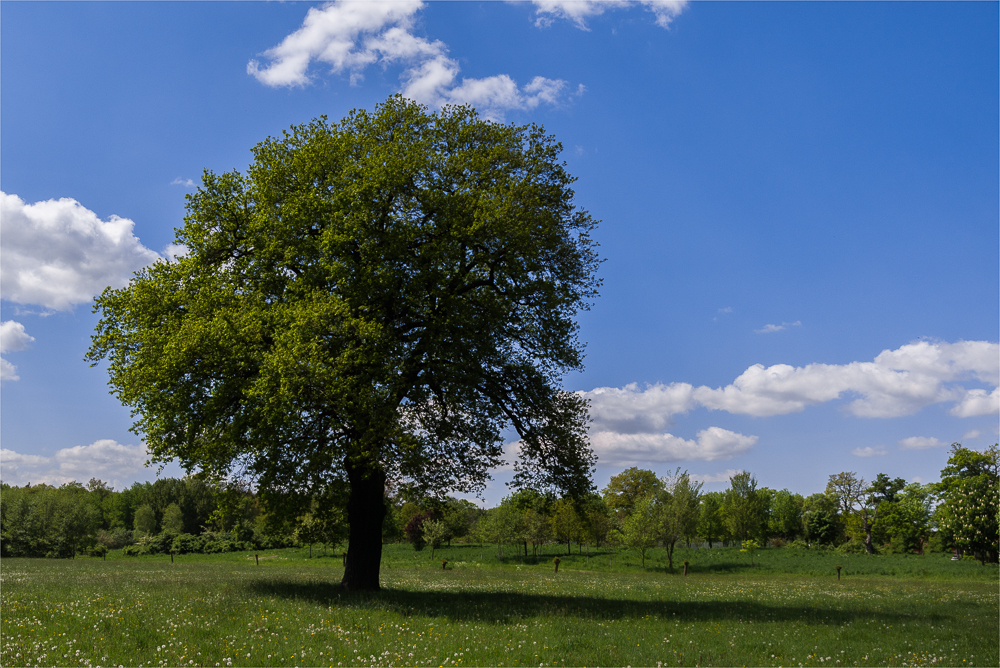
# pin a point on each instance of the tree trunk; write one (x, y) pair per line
(365, 513)
(869, 548)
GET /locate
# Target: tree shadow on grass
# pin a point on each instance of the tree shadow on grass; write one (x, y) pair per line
(505, 607)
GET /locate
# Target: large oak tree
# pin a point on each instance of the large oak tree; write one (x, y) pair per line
(376, 299)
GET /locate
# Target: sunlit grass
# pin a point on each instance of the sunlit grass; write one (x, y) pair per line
(209, 611)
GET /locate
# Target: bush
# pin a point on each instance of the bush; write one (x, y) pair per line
(778, 542)
(219, 546)
(97, 550)
(415, 530)
(145, 545)
(115, 539)
(798, 544)
(852, 547)
(186, 543)
(273, 542)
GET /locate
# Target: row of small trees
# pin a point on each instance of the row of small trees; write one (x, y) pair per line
(637, 510)
(640, 510)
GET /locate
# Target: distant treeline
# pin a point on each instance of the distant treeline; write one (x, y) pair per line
(637, 510)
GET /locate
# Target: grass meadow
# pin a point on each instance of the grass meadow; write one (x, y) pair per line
(226, 610)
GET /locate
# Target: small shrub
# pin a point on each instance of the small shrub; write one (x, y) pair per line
(218, 546)
(852, 547)
(415, 530)
(187, 543)
(115, 539)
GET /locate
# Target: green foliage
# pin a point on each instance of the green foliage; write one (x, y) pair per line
(906, 522)
(376, 299)
(642, 529)
(566, 523)
(967, 463)
(863, 505)
(44, 521)
(173, 518)
(969, 516)
(711, 525)
(434, 532)
(344, 276)
(458, 515)
(821, 527)
(743, 507)
(678, 509)
(786, 515)
(750, 547)
(145, 519)
(627, 488)
(501, 525)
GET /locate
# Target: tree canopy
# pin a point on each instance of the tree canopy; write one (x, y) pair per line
(374, 299)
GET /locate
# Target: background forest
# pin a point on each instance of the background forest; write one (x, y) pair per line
(636, 511)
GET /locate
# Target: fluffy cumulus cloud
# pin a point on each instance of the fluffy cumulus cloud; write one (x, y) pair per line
(58, 253)
(12, 338)
(630, 410)
(105, 459)
(578, 11)
(630, 423)
(350, 36)
(977, 402)
(8, 371)
(898, 382)
(714, 443)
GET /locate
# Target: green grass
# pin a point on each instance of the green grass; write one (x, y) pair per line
(767, 561)
(226, 610)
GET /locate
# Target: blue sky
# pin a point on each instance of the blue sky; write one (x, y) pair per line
(798, 202)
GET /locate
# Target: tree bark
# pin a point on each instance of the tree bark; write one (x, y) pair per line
(365, 513)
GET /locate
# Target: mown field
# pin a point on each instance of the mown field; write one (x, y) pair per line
(226, 610)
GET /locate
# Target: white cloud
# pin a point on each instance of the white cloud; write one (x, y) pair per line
(920, 443)
(977, 402)
(187, 183)
(767, 329)
(631, 410)
(352, 36)
(578, 11)
(898, 382)
(105, 459)
(13, 337)
(628, 423)
(8, 371)
(971, 435)
(869, 451)
(725, 476)
(728, 309)
(714, 443)
(57, 253)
